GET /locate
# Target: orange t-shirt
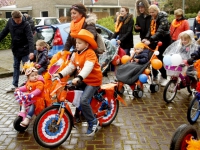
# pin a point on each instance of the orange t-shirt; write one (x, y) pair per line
(174, 32)
(95, 76)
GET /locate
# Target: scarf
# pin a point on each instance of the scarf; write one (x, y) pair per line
(153, 27)
(198, 19)
(75, 27)
(118, 24)
(176, 23)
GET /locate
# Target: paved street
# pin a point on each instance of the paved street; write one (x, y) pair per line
(145, 124)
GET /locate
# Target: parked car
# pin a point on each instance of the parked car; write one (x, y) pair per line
(191, 23)
(56, 35)
(46, 21)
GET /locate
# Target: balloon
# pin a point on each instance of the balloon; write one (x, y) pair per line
(113, 42)
(156, 64)
(116, 60)
(143, 78)
(167, 60)
(176, 59)
(147, 71)
(125, 59)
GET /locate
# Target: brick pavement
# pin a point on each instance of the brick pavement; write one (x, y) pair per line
(145, 124)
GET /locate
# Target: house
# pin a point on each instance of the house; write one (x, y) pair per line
(60, 8)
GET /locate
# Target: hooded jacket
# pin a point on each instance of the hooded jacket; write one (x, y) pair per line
(89, 25)
(143, 20)
(126, 32)
(22, 37)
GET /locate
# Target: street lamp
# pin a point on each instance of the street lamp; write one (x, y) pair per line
(184, 6)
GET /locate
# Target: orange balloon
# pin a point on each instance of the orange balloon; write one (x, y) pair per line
(156, 64)
(147, 71)
(125, 59)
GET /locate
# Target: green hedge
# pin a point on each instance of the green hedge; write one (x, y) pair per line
(6, 42)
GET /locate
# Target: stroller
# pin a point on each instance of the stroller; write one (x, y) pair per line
(129, 74)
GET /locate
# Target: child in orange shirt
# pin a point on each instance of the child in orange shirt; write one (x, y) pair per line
(34, 89)
(89, 71)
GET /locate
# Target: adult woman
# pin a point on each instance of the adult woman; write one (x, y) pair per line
(196, 25)
(178, 25)
(124, 29)
(143, 19)
(80, 21)
(159, 31)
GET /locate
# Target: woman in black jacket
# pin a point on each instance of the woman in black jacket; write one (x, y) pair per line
(196, 25)
(124, 30)
(143, 19)
(158, 31)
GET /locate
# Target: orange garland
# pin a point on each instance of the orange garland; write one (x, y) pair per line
(176, 23)
(153, 27)
(118, 24)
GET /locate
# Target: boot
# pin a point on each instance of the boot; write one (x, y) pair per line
(25, 122)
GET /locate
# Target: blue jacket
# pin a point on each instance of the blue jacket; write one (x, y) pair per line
(143, 56)
(41, 58)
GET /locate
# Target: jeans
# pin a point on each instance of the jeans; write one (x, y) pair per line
(127, 51)
(41, 70)
(16, 67)
(85, 105)
(31, 111)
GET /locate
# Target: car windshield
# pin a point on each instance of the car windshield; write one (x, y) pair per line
(37, 21)
(191, 21)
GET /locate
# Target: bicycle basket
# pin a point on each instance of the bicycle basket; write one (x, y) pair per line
(173, 70)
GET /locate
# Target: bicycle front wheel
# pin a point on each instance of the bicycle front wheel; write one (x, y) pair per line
(46, 131)
(170, 91)
(193, 111)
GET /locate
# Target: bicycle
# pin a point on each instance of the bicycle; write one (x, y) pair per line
(177, 81)
(54, 124)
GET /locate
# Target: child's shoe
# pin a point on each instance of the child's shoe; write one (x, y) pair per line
(25, 122)
(92, 127)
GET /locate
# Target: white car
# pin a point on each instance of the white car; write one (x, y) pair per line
(45, 21)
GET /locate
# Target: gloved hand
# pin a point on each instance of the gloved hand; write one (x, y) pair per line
(190, 61)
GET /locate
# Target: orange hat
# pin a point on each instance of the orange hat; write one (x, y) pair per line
(86, 36)
(140, 45)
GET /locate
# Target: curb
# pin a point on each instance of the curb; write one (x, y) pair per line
(6, 74)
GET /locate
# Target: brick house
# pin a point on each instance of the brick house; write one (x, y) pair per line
(60, 8)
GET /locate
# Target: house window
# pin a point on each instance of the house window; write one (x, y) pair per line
(61, 13)
(44, 13)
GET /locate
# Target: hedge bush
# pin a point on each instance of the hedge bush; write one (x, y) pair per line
(6, 42)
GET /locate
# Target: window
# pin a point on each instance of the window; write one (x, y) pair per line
(44, 13)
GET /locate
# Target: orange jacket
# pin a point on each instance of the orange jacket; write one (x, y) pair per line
(174, 32)
(95, 76)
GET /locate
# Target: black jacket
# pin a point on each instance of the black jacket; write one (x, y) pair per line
(143, 22)
(126, 32)
(41, 58)
(162, 33)
(32, 24)
(143, 56)
(22, 37)
(196, 26)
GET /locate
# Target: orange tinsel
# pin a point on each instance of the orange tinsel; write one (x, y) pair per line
(176, 23)
(153, 27)
(197, 67)
(193, 144)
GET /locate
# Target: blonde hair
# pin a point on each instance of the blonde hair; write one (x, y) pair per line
(43, 43)
(154, 7)
(178, 12)
(16, 14)
(187, 37)
(198, 41)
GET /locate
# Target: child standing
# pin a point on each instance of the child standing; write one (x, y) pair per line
(41, 56)
(89, 71)
(34, 88)
(140, 54)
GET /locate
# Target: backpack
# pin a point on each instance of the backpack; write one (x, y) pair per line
(100, 43)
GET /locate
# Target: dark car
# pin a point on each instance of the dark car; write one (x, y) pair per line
(56, 35)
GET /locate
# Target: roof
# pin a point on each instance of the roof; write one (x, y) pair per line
(14, 7)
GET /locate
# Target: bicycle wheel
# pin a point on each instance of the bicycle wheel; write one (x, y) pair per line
(16, 124)
(193, 111)
(45, 130)
(111, 113)
(183, 133)
(170, 91)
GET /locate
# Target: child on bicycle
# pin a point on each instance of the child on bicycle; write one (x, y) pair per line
(34, 90)
(89, 71)
(41, 56)
(140, 54)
